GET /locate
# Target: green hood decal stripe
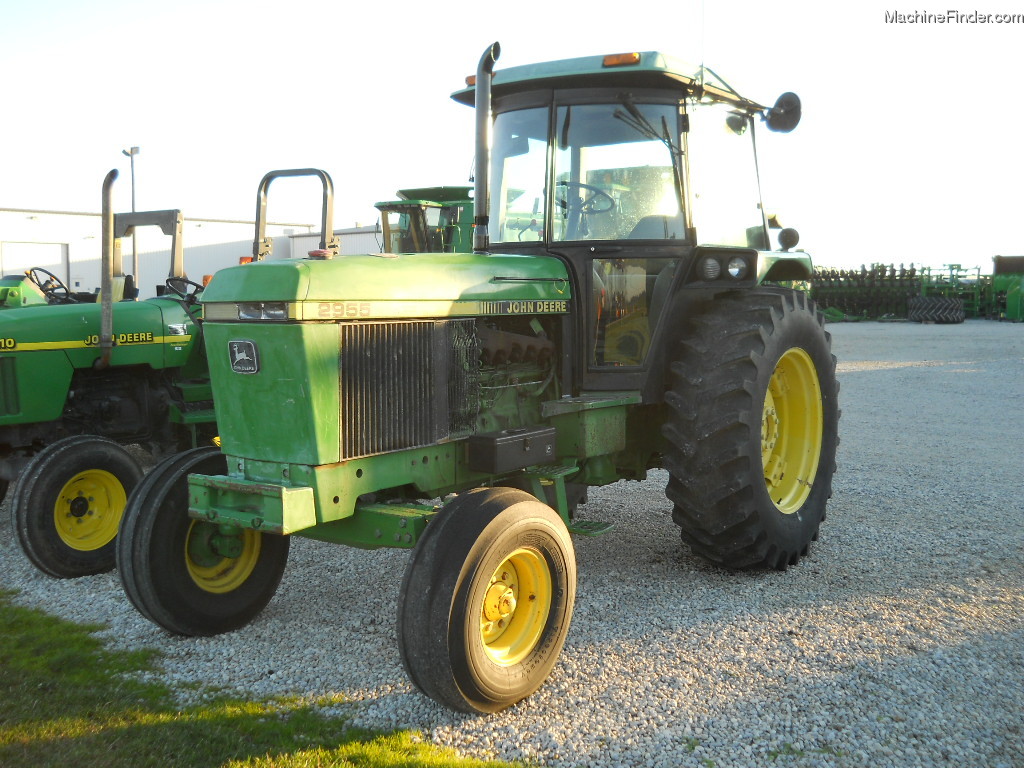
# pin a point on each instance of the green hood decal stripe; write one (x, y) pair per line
(398, 309)
(120, 339)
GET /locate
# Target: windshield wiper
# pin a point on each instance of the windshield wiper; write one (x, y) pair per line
(639, 123)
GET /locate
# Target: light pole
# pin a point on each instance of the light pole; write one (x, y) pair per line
(131, 153)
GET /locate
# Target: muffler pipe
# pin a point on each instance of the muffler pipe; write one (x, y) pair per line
(106, 341)
(481, 178)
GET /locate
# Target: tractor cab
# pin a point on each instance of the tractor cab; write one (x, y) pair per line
(428, 220)
(640, 173)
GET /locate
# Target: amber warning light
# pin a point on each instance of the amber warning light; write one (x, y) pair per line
(621, 59)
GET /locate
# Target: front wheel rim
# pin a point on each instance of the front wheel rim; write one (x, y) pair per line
(792, 427)
(515, 607)
(220, 560)
(88, 510)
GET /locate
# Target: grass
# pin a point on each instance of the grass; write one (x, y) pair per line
(67, 700)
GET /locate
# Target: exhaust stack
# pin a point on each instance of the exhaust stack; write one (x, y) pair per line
(106, 344)
(481, 204)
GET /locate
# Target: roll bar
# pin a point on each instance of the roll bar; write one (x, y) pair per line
(263, 246)
(170, 223)
(114, 226)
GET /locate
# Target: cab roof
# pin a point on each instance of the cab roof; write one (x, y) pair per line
(438, 194)
(648, 69)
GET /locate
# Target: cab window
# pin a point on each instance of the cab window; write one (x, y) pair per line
(628, 298)
(723, 178)
(518, 163)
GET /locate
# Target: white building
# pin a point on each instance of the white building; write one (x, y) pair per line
(67, 244)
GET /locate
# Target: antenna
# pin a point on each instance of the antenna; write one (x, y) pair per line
(701, 75)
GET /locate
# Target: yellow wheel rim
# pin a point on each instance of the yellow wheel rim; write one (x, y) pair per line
(88, 510)
(515, 607)
(220, 560)
(791, 430)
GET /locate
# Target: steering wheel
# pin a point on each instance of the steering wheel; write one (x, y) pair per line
(52, 287)
(533, 226)
(179, 286)
(598, 201)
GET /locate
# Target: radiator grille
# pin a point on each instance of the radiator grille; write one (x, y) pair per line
(405, 385)
(463, 378)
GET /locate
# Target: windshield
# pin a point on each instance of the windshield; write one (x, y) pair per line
(413, 229)
(615, 173)
(615, 176)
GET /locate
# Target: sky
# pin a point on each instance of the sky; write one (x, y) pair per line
(909, 150)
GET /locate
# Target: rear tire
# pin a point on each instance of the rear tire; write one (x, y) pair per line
(753, 428)
(170, 565)
(486, 600)
(67, 504)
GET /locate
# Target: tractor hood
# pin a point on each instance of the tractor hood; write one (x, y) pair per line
(73, 327)
(382, 286)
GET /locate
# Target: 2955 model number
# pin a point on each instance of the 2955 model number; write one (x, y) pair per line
(332, 309)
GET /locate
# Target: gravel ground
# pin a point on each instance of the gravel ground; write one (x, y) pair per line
(898, 642)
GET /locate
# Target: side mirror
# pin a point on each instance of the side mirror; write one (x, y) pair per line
(736, 123)
(785, 115)
(788, 238)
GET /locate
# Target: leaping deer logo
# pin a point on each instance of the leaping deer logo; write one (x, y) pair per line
(243, 357)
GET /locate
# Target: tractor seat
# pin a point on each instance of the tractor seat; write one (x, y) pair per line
(659, 228)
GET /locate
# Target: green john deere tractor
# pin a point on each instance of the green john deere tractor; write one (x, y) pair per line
(617, 314)
(82, 377)
(428, 220)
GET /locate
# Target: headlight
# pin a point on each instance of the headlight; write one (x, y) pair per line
(277, 310)
(710, 269)
(737, 267)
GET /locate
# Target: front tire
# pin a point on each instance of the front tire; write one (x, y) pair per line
(486, 600)
(189, 576)
(67, 504)
(753, 428)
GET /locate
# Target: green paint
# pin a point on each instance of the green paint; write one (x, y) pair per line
(394, 278)
(18, 291)
(47, 344)
(592, 424)
(374, 526)
(288, 411)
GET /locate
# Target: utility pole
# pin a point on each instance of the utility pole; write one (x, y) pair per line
(131, 153)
